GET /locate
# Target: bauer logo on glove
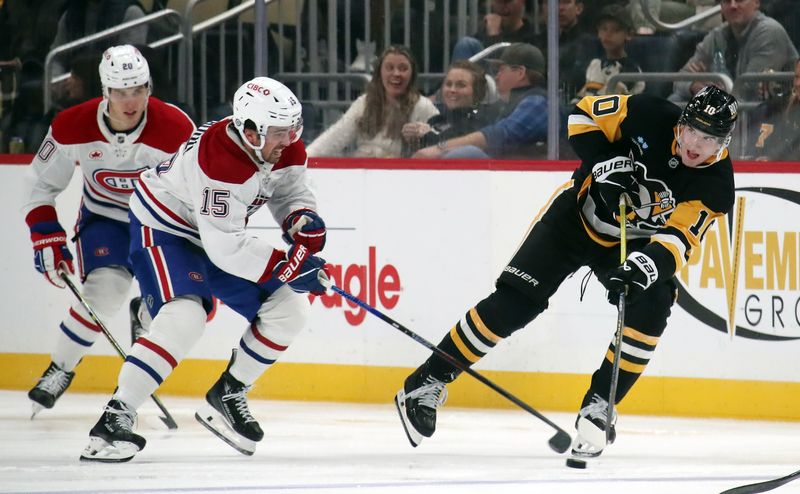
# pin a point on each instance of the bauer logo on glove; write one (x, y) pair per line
(635, 275)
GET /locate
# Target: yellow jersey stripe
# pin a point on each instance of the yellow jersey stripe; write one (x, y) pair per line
(482, 328)
(462, 347)
(625, 365)
(639, 336)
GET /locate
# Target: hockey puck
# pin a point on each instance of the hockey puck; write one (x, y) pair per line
(576, 463)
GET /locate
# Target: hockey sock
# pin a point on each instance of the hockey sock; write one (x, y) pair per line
(482, 327)
(174, 331)
(280, 318)
(104, 291)
(637, 350)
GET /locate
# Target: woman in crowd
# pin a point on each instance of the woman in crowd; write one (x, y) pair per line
(460, 112)
(372, 126)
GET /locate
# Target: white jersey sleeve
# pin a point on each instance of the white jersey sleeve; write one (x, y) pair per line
(207, 192)
(48, 174)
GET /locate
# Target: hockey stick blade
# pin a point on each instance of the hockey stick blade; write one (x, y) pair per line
(167, 418)
(763, 486)
(559, 443)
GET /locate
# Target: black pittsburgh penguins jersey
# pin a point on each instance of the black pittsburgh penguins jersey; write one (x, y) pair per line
(675, 204)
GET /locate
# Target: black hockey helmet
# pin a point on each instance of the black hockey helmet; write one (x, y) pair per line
(712, 111)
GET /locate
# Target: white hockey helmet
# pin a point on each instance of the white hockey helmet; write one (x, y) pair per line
(266, 103)
(123, 67)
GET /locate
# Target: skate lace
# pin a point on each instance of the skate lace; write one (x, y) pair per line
(598, 409)
(240, 403)
(432, 393)
(124, 418)
(54, 381)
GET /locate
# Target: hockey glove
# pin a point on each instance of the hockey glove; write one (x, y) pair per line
(299, 269)
(311, 276)
(305, 227)
(635, 275)
(613, 178)
(50, 251)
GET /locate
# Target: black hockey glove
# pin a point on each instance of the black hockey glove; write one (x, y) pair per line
(611, 179)
(637, 273)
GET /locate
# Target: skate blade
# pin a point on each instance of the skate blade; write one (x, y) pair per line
(581, 449)
(35, 409)
(101, 450)
(414, 437)
(214, 422)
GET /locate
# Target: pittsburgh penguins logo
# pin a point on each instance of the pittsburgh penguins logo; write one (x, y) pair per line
(652, 203)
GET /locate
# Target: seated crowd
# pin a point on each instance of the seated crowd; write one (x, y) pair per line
(495, 106)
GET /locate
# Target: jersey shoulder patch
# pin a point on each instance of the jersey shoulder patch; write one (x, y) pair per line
(167, 126)
(293, 155)
(78, 124)
(222, 159)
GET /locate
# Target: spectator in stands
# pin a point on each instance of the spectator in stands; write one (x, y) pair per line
(461, 109)
(748, 41)
(574, 43)
(591, 10)
(372, 126)
(506, 22)
(26, 33)
(614, 30)
(521, 128)
(776, 125)
(84, 17)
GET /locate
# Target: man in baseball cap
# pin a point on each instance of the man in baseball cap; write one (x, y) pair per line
(520, 130)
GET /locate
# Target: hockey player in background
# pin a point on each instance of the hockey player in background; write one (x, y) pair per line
(188, 242)
(113, 139)
(673, 168)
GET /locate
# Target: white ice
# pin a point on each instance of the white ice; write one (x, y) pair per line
(347, 448)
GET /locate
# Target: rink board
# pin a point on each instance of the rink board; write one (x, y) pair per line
(424, 245)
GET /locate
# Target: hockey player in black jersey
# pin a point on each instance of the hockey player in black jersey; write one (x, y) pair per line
(673, 168)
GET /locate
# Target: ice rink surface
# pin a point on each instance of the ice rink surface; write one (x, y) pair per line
(354, 448)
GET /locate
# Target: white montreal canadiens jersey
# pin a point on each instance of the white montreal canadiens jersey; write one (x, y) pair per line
(209, 189)
(110, 162)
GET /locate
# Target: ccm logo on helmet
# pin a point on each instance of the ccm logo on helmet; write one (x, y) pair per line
(256, 87)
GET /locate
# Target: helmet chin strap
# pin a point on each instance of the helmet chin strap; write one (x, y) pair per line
(256, 149)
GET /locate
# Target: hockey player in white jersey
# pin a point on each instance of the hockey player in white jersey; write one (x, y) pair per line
(189, 243)
(113, 139)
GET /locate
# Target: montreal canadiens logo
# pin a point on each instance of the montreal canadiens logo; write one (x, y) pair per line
(195, 276)
(117, 181)
(95, 155)
(101, 252)
(259, 89)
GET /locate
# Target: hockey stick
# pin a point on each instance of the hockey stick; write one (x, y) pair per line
(765, 486)
(623, 247)
(167, 418)
(560, 442)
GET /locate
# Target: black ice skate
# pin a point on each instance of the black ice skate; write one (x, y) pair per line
(227, 414)
(112, 439)
(137, 328)
(50, 387)
(417, 402)
(590, 440)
